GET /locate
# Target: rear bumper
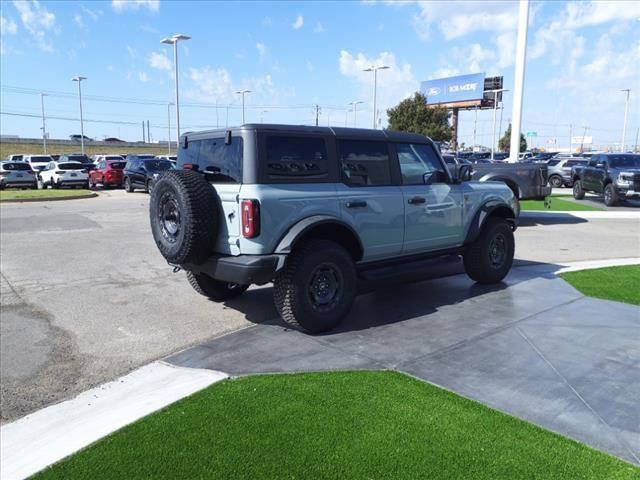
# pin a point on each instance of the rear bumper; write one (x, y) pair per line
(19, 183)
(241, 269)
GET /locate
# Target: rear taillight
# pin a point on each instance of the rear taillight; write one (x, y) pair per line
(4, 174)
(250, 218)
(190, 166)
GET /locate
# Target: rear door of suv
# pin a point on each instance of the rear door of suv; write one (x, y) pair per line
(221, 164)
(370, 199)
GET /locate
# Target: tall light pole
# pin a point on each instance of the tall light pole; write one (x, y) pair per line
(169, 129)
(624, 125)
(354, 106)
(518, 84)
(375, 87)
(44, 128)
(173, 40)
(79, 79)
(495, 105)
(243, 92)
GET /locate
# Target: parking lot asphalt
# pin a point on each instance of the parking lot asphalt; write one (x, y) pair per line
(86, 297)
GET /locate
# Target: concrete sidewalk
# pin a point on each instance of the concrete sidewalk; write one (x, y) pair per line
(533, 347)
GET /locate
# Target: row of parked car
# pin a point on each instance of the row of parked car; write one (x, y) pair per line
(80, 171)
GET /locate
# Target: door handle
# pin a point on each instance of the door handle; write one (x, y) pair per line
(356, 204)
(417, 200)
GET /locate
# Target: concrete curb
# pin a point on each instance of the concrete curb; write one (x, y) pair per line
(42, 438)
(53, 199)
(591, 264)
(588, 215)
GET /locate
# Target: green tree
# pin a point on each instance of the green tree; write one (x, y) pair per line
(412, 115)
(505, 142)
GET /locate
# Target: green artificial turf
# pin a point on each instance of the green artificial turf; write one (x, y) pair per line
(621, 284)
(8, 195)
(342, 425)
(557, 204)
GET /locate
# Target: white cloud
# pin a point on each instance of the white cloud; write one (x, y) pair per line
(267, 21)
(38, 21)
(318, 28)
(394, 84)
(135, 5)
(310, 67)
(8, 26)
(262, 49)
(143, 77)
(160, 61)
(299, 22)
(92, 14)
(149, 29)
(77, 18)
(213, 85)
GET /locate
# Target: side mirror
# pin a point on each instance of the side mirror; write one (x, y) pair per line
(463, 173)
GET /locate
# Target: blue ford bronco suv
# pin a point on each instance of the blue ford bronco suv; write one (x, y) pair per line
(314, 209)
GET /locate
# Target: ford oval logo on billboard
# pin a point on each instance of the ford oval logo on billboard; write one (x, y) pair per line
(462, 88)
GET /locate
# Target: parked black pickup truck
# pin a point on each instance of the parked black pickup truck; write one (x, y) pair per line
(615, 175)
(526, 180)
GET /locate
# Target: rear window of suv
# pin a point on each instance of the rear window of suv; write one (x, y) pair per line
(295, 156)
(16, 166)
(222, 163)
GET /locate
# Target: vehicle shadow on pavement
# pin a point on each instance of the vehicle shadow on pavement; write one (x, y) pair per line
(557, 219)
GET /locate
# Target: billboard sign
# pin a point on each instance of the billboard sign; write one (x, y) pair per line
(463, 88)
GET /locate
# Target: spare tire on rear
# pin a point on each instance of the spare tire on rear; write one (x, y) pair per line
(183, 212)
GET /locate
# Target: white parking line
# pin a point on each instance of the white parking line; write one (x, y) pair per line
(622, 215)
(30, 444)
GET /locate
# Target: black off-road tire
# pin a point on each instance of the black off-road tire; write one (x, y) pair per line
(292, 287)
(215, 290)
(611, 197)
(478, 260)
(555, 181)
(127, 185)
(578, 192)
(183, 212)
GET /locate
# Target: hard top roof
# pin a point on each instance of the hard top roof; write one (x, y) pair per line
(340, 132)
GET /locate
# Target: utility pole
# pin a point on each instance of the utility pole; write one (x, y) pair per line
(44, 128)
(148, 132)
(495, 107)
(500, 124)
(475, 126)
(624, 125)
(317, 110)
(635, 149)
(582, 142)
(79, 79)
(144, 137)
(518, 90)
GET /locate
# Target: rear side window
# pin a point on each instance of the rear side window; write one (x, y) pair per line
(40, 159)
(364, 163)
(289, 156)
(116, 165)
(17, 166)
(222, 163)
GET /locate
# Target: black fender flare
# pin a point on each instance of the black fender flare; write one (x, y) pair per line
(488, 209)
(304, 226)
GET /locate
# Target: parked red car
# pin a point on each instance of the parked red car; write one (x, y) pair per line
(108, 172)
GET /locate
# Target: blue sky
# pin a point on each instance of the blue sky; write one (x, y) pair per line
(295, 54)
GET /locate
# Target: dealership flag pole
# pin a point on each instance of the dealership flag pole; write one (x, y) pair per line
(521, 54)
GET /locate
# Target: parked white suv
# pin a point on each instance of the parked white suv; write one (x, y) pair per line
(37, 162)
(60, 174)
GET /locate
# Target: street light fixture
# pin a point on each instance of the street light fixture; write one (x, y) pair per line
(243, 92)
(79, 79)
(44, 129)
(173, 40)
(375, 86)
(354, 105)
